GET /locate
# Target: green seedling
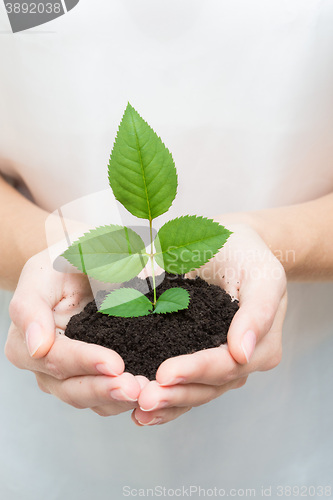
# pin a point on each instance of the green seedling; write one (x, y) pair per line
(143, 178)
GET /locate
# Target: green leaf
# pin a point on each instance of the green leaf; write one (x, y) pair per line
(126, 303)
(142, 173)
(112, 254)
(188, 242)
(172, 300)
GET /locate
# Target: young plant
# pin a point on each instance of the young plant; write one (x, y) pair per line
(143, 178)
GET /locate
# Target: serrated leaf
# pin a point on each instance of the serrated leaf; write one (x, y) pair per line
(112, 254)
(172, 300)
(142, 172)
(126, 303)
(188, 242)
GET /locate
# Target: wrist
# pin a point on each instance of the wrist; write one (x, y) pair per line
(249, 219)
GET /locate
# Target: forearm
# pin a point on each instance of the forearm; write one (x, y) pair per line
(300, 236)
(22, 229)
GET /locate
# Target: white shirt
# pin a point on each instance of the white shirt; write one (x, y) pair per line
(241, 92)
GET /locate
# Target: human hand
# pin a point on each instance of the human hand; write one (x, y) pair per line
(248, 271)
(80, 374)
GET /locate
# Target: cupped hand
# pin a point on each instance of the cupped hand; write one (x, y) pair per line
(80, 374)
(249, 272)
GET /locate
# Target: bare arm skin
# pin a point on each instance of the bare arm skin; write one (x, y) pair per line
(300, 236)
(308, 230)
(22, 229)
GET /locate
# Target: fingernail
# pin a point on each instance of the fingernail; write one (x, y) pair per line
(160, 404)
(173, 381)
(105, 369)
(248, 344)
(34, 338)
(155, 421)
(120, 395)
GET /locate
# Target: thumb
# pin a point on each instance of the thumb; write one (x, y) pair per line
(259, 303)
(33, 316)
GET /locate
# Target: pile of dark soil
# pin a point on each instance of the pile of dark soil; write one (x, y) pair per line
(145, 342)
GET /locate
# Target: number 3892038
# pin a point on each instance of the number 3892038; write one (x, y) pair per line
(33, 8)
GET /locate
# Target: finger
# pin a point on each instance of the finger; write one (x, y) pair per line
(91, 391)
(213, 366)
(141, 418)
(34, 317)
(76, 294)
(154, 397)
(259, 300)
(43, 297)
(143, 381)
(67, 358)
(268, 352)
(71, 358)
(216, 366)
(109, 410)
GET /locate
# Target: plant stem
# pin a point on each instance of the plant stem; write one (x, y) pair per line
(152, 259)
